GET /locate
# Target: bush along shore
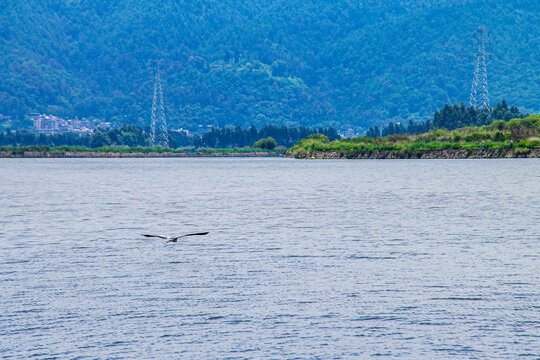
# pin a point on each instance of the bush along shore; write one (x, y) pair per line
(130, 152)
(512, 139)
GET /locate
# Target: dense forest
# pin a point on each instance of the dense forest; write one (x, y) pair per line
(292, 62)
(134, 136)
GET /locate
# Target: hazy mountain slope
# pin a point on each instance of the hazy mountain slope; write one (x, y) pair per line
(251, 62)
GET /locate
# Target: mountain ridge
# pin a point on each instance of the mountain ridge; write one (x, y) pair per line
(240, 63)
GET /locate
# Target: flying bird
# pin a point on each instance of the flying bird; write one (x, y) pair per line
(175, 238)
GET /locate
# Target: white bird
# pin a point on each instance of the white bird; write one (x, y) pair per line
(175, 238)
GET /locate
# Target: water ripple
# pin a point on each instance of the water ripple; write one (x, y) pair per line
(305, 259)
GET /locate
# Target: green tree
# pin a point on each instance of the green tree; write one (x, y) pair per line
(268, 143)
(99, 139)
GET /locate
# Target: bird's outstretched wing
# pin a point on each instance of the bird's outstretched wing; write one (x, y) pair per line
(201, 233)
(158, 236)
(175, 239)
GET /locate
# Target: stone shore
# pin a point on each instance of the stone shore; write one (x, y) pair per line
(95, 154)
(421, 154)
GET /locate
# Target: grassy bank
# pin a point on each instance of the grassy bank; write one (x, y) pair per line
(515, 138)
(125, 151)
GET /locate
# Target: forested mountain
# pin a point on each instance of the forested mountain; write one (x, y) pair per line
(232, 62)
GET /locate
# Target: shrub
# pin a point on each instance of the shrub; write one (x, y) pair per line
(528, 144)
(396, 137)
(301, 154)
(498, 124)
(521, 151)
(269, 143)
(528, 122)
(499, 136)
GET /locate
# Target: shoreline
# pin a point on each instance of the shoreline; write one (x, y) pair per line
(373, 154)
(96, 154)
(419, 154)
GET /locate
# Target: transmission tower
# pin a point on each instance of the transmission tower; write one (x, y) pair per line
(158, 131)
(479, 91)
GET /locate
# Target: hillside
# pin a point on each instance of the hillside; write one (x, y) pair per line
(261, 61)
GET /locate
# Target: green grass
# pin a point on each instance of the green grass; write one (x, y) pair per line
(522, 135)
(244, 150)
(130, 150)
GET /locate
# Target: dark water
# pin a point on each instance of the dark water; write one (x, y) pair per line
(387, 259)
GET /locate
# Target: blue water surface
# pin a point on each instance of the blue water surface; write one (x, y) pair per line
(306, 259)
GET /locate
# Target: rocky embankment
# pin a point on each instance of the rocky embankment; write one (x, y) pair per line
(95, 154)
(374, 154)
(420, 154)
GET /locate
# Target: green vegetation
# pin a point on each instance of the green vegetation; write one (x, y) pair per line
(238, 62)
(19, 150)
(128, 135)
(269, 143)
(133, 136)
(450, 118)
(519, 135)
(241, 137)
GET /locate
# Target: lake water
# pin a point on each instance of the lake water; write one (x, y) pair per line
(307, 259)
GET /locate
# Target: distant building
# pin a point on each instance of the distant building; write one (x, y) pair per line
(45, 124)
(50, 124)
(104, 125)
(350, 133)
(185, 131)
(201, 129)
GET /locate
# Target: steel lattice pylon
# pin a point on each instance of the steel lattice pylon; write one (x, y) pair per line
(479, 91)
(158, 132)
